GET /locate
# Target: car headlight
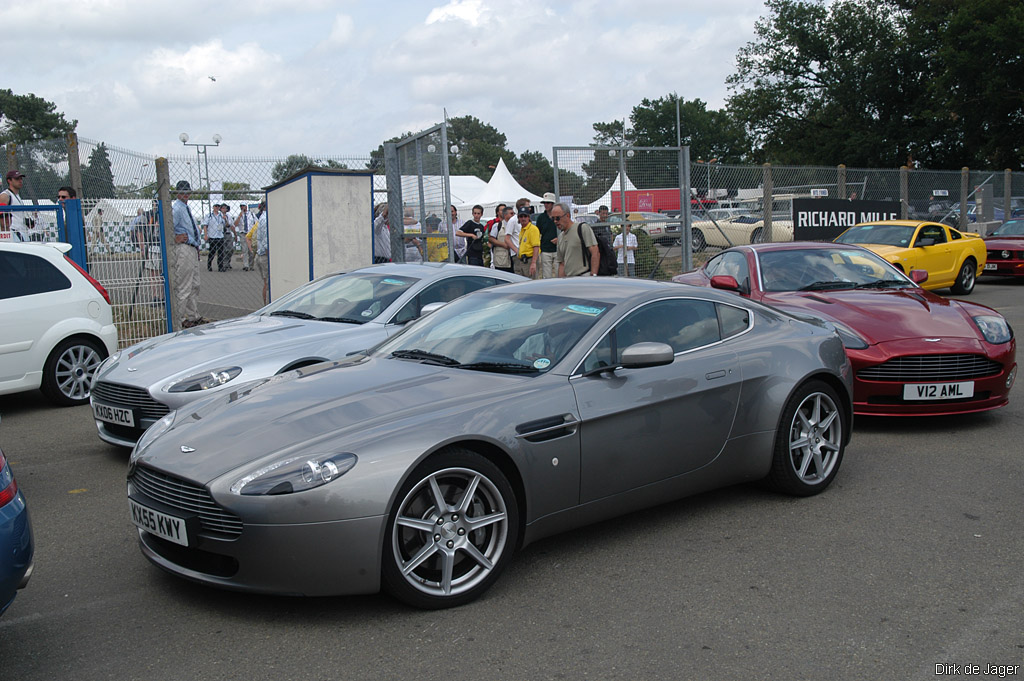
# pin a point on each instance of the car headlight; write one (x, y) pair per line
(205, 381)
(851, 339)
(994, 328)
(295, 474)
(152, 433)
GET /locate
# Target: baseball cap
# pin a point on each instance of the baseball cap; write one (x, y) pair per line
(524, 211)
(183, 186)
(11, 174)
(549, 197)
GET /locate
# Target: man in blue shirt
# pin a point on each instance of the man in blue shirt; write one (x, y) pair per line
(186, 258)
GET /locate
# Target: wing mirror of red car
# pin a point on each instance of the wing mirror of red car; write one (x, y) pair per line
(726, 282)
(918, 276)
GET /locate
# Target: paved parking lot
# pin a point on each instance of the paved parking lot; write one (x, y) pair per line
(911, 559)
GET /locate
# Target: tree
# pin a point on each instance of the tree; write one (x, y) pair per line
(97, 176)
(534, 172)
(27, 118)
(827, 84)
(297, 162)
(239, 191)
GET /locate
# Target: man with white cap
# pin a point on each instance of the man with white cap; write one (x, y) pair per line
(15, 222)
(548, 239)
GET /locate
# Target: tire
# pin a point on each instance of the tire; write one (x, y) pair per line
(755, 236)
(697, 241)
(809, 443)
(68, 371)
(966, 279)
(437, 560)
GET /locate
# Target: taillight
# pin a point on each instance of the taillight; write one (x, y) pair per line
(96, 284)
(7, 481)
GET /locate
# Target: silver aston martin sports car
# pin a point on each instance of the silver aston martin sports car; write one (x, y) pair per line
(510, 414)
(323, 320)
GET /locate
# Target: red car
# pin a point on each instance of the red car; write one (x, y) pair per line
(1005, 248)
(913, 353)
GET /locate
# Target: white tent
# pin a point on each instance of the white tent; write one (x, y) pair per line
(606, 200)
(502, 188)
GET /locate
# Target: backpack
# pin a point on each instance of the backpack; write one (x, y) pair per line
(608, 266)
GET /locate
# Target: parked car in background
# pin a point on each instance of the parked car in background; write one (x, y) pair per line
(57, 325)
(662, 228)
(734, 227)
(913, 352)
(322, 320)
(16, 544)
(952, 259)
(508, 415)
(1005, 250)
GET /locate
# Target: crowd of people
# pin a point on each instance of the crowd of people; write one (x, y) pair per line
(538, 245)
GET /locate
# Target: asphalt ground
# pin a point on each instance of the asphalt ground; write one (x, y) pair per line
(911, 559)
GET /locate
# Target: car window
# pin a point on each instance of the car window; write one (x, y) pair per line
(733, 320)
(681, 323)
(355, 295)
(890, 235)
(734, 264)
(935, 232)
(443, 291)
(954, 235)
(24, 274)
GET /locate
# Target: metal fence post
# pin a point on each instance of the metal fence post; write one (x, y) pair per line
(686, 243)
(554, 157)
(450, 227)
(965, 188)
(163, 189)
(12, 156)
(904, 192)
(769, 203)
(396, 226)
(1007, 194)
(841, 181)
(74, 164)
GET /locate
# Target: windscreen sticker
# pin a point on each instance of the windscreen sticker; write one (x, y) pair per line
(367, 313)
(393, 282)
(542, 363)
(583, 309)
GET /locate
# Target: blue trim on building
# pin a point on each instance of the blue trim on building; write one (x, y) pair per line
(309, 224)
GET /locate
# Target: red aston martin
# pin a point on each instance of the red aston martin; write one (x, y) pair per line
(1005, 248)
(913, 352)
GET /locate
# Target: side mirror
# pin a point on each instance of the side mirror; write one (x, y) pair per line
(925, 241)
(647, 354)
(431, 307)
(726, 282)
(918, 276)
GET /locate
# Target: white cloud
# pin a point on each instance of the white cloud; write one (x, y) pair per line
(471, 12)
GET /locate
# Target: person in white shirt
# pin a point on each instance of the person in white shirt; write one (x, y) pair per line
(625, 248)
(13, 225)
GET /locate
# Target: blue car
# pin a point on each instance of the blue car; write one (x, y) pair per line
(16, 544)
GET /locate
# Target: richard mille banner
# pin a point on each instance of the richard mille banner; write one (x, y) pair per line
(825, 219)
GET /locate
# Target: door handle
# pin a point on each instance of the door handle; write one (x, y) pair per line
(715, 374)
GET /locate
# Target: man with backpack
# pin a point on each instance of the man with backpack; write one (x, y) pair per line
(575, 244)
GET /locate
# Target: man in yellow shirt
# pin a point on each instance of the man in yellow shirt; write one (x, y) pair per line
(527, 262)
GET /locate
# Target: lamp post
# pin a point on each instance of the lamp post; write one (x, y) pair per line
(202, 165)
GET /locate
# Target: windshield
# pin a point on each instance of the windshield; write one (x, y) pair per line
(823, 269)
(887, 235)
(1011, 228)
(507, 333)
(356, 297)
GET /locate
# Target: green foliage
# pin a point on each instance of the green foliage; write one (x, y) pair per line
(296, 162)
(239, 191)
(27, 118)
(97, 176)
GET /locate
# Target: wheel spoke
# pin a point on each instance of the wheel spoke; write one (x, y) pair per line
(480, 558)
(483, 521)
(827, 422)
(818, 464)
(426, 552)
(804, 441)
(416, 523)
(831, 446)
(447, 568)
(439, 501)
(804, 463)
(804, 421)
(467, 498)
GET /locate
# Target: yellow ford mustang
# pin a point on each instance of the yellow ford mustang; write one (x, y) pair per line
(952, 259)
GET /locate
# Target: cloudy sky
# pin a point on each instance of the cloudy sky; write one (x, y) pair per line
(337, 77)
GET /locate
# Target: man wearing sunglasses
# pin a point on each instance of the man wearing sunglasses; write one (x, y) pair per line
(571, 242)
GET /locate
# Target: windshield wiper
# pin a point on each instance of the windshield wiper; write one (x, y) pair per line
(292, 313)
(346, 320)
(500, 367)
(883, 283)
(425, 356)
(823, 285)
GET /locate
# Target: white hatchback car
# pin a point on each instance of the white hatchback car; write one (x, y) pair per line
(57, 326)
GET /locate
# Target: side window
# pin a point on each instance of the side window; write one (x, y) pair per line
(443, 291)
(954, 235)
(932, 232)
(24, 274)
(711, 269)
(733, 320)
(681, 323)
(734, 264)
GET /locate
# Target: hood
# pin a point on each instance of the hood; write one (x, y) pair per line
(881, 316)
(243, 342)
(336, 403)
(1004, 243)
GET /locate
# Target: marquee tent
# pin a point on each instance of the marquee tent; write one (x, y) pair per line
(606, 200)
(502, 188)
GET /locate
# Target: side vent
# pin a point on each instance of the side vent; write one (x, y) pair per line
(546, 429)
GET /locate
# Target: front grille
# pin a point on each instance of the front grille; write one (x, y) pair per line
(189, 498)
(1009, 255)
(924, 368)
(129, 397)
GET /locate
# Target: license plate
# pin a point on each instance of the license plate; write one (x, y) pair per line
(938, 391)
(122, 417)
(991, 266)
(162, 525)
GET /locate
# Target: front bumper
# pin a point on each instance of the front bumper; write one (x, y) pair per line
(18, 546)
